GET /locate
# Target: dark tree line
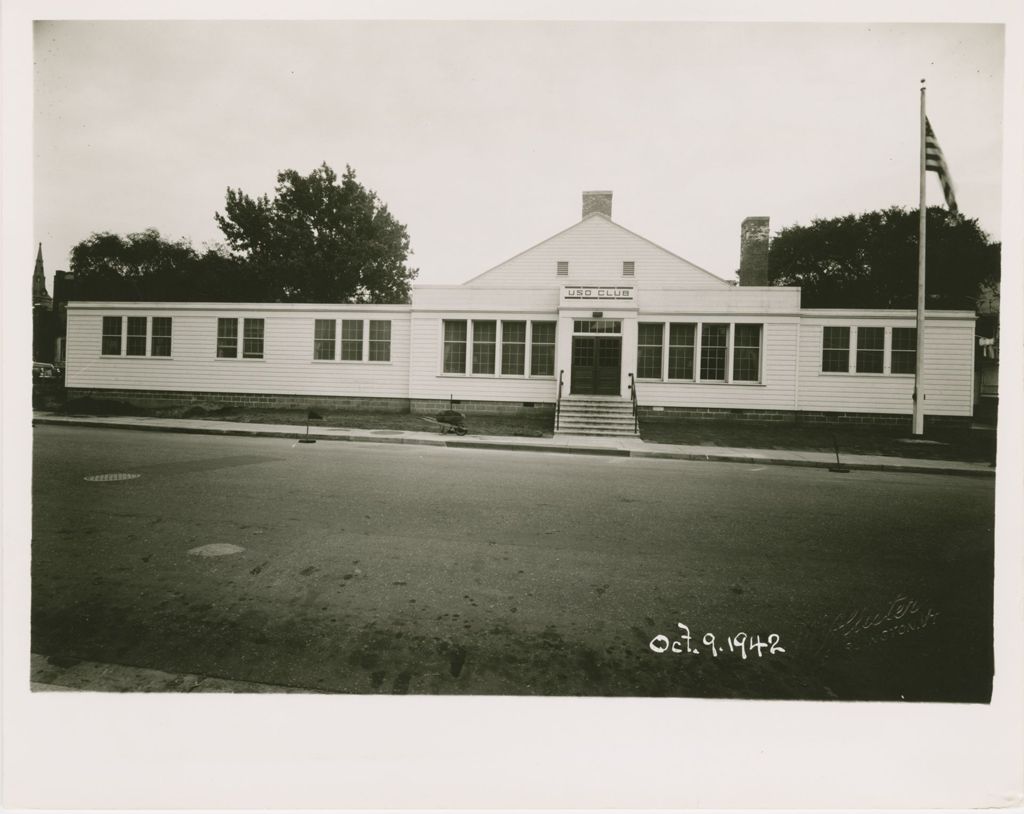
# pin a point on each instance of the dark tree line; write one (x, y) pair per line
(870, 260)
(318, 239)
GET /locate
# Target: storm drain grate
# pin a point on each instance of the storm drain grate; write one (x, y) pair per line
(114, 476)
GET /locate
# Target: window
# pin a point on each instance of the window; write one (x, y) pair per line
(454, 346)
(562, 268)
(542, 349)
(648, 350)
(904, 350)
(380, 340)
(513, 348)
(870, 350)
(680, 350)
(352, 340)
(714, 346)
(136, 344)
(160, 343)
(227, 338)
(485, 335)
(628, 268)
(597, 326)
(746, 354)
(111, 345)
(252, 339)
(835, 353)
(323, 338)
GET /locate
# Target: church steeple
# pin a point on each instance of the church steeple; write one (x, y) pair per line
(40, 298)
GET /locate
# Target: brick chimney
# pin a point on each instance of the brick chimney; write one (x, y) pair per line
(597, 201)
(754, 251)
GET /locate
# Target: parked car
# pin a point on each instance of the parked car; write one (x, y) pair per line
(44, 370)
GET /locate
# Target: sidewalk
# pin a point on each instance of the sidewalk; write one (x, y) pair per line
(573, 444)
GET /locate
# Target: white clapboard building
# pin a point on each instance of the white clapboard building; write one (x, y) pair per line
(581, 322)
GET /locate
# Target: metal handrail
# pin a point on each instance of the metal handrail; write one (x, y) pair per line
(558, 401)
(636, 406)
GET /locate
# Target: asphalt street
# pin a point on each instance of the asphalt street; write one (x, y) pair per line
(372, 568)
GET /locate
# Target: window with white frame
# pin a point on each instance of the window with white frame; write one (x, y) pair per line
(648, 350)
(513, 348)
(485, 343)
(227, 338)
(324, 338)
(252, 338)
(542, 349)
(681, 337)
(111, 344)
(136, 336)
(380, 340)
(455, 335)
(160, 339)
(904, 350)
(835, 349)
(352, 340)
(870, 350)
(746, 353)
(714, 351)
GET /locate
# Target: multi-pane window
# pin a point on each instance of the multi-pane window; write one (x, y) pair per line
(252, 339)
(227, 338)
(746, 354)
(680, 350)
(542, 349)
(323, 338)
(454, 346)
(352, 340)
(597, 326)
(714, 346)
(485, 337)
(904, 350)
(111, 345)
(513, 348)
(160, 341)
(648, 350)
(380, 340)
(136, 341)
(835, 350)
(870, 350)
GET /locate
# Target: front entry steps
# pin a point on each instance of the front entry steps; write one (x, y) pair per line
(596, 415)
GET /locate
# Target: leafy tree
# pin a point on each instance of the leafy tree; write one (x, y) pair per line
(870, 260)
(319, 240)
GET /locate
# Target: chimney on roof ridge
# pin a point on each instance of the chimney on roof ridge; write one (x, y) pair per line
(754, 251)
(597, 201)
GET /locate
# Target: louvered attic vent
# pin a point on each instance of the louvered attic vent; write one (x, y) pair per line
(628, 268)
(563, 268)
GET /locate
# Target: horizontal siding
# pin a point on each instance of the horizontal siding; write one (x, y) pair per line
(947, 380)
(287, 366)
(595, 250)
(427, 381)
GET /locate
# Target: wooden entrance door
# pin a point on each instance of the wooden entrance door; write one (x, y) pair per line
(596, 365)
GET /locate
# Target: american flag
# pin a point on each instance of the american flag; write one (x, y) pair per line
(935, 162)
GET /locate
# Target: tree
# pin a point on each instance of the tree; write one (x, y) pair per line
(870, 260)
(319, 240)
(145, 266)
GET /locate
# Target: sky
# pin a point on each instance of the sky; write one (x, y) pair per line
(481, 136)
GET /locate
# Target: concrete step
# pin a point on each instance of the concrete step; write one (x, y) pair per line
(572, 421)
(601, 433)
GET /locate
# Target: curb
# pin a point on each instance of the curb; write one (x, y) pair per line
(515, 447)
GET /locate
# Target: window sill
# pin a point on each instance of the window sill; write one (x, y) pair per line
(347, 362)
(493, 376)
(238, 359)
(861, 375)
(126, 356)
(715, 382)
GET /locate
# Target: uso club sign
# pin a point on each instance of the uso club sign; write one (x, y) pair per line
(587, 293)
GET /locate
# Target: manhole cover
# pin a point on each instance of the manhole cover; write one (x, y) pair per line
(385, 432)
(112, 477)
(216, 550)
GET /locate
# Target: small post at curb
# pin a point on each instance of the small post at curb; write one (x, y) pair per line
(311, 415)
(838, 467)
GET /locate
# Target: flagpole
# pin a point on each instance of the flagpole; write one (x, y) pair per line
(918, 424)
